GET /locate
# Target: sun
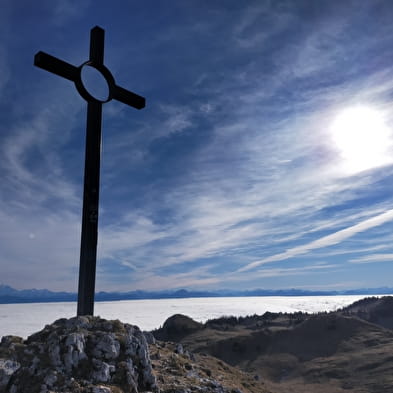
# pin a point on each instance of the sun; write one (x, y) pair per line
(362, 137)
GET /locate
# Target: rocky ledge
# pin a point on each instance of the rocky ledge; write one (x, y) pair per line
(81, 355)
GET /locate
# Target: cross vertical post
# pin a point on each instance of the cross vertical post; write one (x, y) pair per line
(89, 235)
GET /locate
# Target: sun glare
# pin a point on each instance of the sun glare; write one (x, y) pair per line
(362, 137)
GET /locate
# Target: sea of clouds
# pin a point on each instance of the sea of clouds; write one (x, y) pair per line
(25, 319)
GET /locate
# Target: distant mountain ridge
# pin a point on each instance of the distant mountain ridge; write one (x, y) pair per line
(9, 295)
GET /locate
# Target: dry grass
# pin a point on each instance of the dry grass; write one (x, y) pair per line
(175, 372)
(326, 353)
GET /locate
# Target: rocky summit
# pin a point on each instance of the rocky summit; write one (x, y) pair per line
(82, 354)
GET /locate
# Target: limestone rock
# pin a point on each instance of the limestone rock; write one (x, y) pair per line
(82, 355)
(179, 349)
(7, 368)
(149, 337)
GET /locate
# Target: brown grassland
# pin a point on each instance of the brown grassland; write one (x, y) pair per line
(350, 350)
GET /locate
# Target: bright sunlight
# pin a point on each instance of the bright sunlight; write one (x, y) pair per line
(362, 137)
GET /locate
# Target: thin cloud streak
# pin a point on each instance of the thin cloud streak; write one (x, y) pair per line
(373, 258)
(325, 241)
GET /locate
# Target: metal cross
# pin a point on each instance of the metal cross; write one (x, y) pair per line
(88, 254)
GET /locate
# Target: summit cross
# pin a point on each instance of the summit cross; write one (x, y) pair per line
(88, 252)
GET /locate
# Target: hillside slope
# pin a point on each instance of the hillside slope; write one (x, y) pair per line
(330, 353)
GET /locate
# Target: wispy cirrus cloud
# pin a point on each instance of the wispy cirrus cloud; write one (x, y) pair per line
(260, 23)
(373, 258)
(325, 241)
(232, 215)
(40, 200)
(295, 271)
(230, 166)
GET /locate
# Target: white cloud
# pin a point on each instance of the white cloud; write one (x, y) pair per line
(177, 120)
(39, 139)
(373, 258)
(354, 250)
(344, 285)
(260, 23)
(134, 231)
(40, 250)
(263, 202)
(40, 205)
(325, 241)
(277, 272)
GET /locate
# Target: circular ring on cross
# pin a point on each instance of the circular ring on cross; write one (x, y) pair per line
(105, 73)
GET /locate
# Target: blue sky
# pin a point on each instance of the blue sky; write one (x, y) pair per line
(263, 159)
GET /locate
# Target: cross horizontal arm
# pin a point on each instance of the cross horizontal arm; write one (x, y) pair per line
(56, 66)
(128, 97)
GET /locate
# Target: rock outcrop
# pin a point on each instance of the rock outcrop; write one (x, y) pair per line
(81, 355)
